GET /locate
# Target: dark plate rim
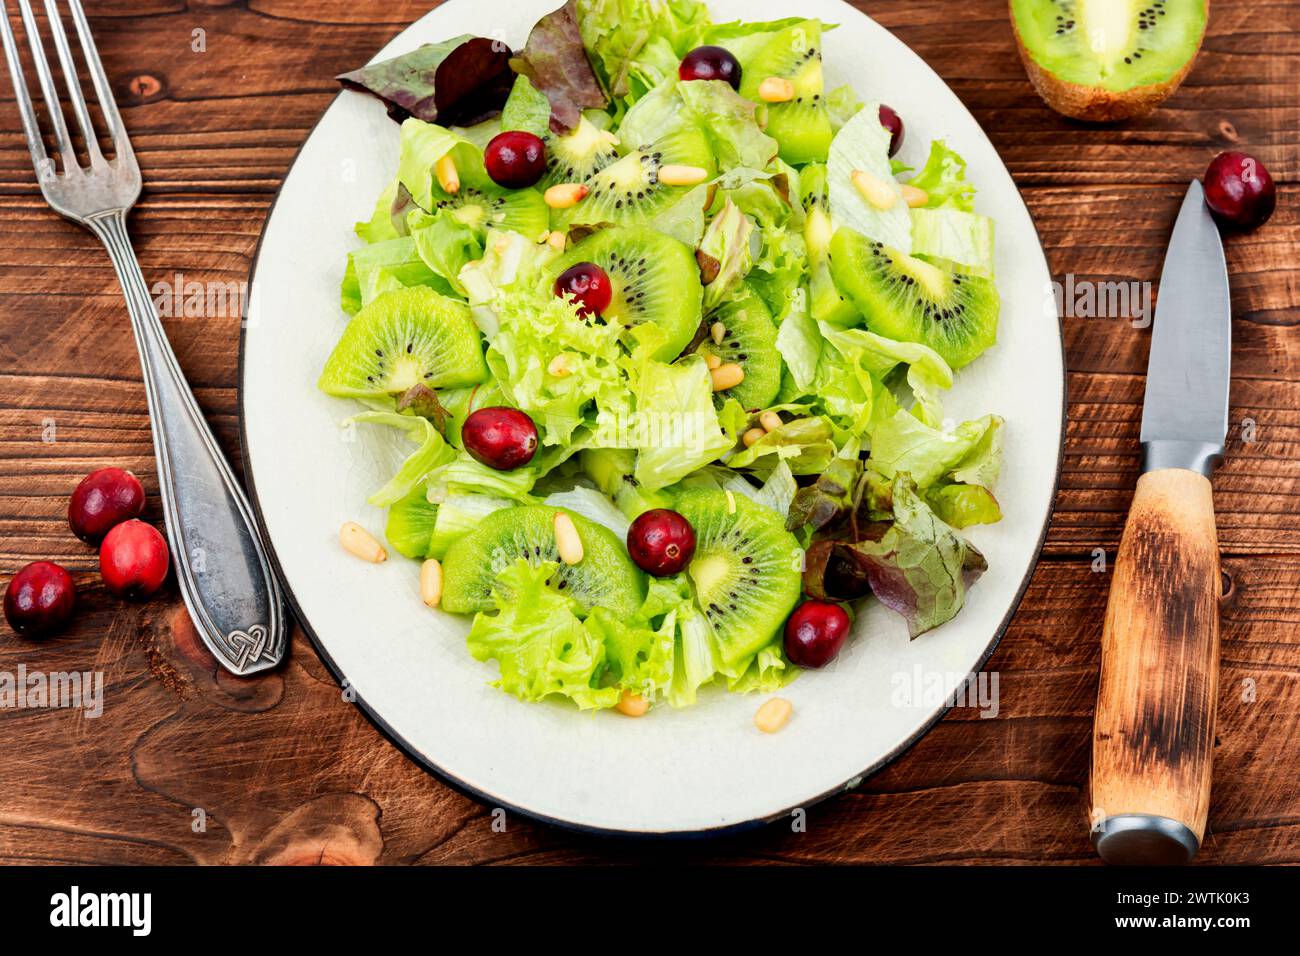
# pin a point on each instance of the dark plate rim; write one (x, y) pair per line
(488, 799)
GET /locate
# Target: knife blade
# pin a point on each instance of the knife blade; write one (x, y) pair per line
(1153, 732)
(1185, 410)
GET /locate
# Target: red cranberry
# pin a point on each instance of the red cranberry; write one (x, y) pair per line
(589, 284)
(133, 559)
(661, 542)
(1239, 191)
(104, 498)
(894, 123)
(515, 159)
(39, 599)
(710, 63)
(501, 438)
(815, 633)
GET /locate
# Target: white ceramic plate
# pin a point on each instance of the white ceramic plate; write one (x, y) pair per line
(705, 768)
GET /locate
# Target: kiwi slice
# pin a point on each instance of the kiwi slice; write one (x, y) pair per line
(655, 279)
(605, 577)
(802, 125)
(907, 298)
(479, 203)
(406, 337)
(748, 340)
(628, 192)
(745, 570)
(580, 155)
(410, 524)
(825, 302)
(1105, 60)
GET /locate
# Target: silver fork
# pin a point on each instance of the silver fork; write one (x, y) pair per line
(221, 564)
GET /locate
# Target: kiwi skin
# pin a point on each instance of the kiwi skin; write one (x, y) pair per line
(1090, 103)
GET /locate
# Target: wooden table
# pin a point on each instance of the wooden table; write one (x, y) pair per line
(219, 97)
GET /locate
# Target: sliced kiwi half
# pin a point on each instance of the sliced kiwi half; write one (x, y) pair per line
(406, 337)
(605, 577)
(655, 279)
(825, 301)
(479, 203)
(410, 524)
(628, 192)
(801, 125)
(578, 156)
(745, 571)
(748, 339)
(1105, 60)
(907, 298)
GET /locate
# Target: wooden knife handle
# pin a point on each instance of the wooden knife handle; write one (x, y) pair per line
(1153, 734)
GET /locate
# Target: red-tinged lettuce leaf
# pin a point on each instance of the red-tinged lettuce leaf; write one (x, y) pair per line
(458, 82)
(556, 63)
(916, 564)
(828, 498)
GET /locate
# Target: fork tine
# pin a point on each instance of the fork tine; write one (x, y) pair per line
(66, 151)
(75, 95)
(103, 91)
(23, 98)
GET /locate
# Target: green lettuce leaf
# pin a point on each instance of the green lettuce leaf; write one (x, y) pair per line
(422, 145)
(635, 45)
(863, 144)
(964, 505)
(432, 452)
(950, 234)
(724, 254)
(445, 244)
(459, 513)
(805, 445)
(927, 372)
(728, 121)
(943, 177)
(904, 445)
(677, 429)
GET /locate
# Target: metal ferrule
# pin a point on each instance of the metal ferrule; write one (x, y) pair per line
(1191, 455)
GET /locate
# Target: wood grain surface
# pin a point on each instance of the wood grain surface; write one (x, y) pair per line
(284, 770)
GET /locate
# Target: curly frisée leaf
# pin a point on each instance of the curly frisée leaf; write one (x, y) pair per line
(540, 644)
(459, 81)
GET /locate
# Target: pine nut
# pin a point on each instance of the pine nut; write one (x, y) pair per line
(557, 241)
(448, 175)
(567, 541)
(915, 197)
(731, 503)
(776, 89)
(770, 421)
(565, 195)
(713, 361)
(772, 716)
(632, 705)
(718, 331)
(431, 582)
(357, 541)
(682, 175)
(727, 376)
(559, 366)
(874, 189)
(752, 436)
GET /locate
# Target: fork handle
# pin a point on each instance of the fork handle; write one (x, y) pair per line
(221, 563)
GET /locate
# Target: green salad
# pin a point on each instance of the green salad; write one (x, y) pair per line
(668, 331)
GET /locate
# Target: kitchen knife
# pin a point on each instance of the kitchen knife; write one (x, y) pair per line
(1153, 733)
